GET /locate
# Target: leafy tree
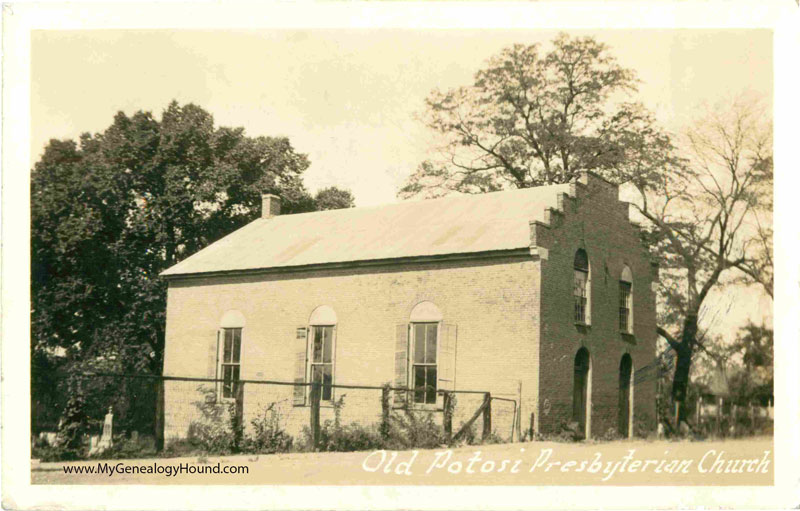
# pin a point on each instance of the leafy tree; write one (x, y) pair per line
(704, 217)
(755, 379)
(114, 209)
(747, 361)
(534, 118)
(333, 198)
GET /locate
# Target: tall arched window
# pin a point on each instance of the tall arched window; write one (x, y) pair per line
(425, 321)
(626, 301)
(322, 330)
(581, 289)
(229, 352)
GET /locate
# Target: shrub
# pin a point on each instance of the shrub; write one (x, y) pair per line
(74, 425)
(219, 432)
(470, 436)
(493, 438)
(611, 434)
(353, 437)
(397, 431)
(268, 435)
(73, 428)
(213, 433)
(412, 429)
(566, 432)
(335, 437)
(45, 452)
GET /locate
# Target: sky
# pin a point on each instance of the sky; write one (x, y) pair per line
(349, 98)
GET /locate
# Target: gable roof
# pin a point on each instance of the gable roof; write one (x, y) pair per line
(450, 225)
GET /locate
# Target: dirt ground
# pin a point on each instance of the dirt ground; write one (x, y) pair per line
(731, 462)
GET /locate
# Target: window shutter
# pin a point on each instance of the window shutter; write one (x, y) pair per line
(447, 358)
(333, 363)
(213, 360)
(301, 352)
(401, 364)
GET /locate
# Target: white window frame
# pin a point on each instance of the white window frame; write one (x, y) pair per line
(221, 361)
(310, 361)
(411, 363)
(587, 288)
(628, 308)
(626, 277)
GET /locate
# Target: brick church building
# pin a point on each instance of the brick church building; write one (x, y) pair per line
(543, 296)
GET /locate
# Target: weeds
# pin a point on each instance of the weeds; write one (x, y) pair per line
(397, 430)
(214, 431)
(219, 431)
(268, 435)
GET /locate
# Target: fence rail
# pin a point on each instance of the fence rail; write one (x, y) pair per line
(147, 403)
(725, 418)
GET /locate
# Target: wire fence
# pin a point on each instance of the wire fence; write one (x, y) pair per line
(174, 407)
(724, 418)
(168, 407)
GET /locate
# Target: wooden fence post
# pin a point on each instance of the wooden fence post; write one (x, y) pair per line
(487, 416)
(735, 419)
(315, 427)
(700, 410)
(159, 423)
(480, 411)
(385, 405)
(518, 415)
(533, 421)
(719, 416)
(238, 415)
(447, 415)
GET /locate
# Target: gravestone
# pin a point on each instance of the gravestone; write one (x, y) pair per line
(106, 440)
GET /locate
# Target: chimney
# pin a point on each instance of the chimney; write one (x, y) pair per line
(270, 205)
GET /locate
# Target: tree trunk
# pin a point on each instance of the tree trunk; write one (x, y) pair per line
(683, 364)
(157, 361)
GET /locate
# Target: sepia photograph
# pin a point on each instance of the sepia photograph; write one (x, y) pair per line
(399, 256)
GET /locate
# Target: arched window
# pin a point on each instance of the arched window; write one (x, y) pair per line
(322, 339)
(425, 320)
(626, 301)
(229, 352)
(581, 289)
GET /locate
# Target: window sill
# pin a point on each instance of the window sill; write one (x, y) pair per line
(420, 408)
(629, 338)
(322, 404)
(582, 327)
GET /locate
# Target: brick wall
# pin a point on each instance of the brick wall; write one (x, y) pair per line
(593, 219)
(492, 302)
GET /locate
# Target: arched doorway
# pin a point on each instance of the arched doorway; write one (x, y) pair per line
(625, 396)
(581, 391)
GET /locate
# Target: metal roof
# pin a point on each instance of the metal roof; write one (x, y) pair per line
(460, 224)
